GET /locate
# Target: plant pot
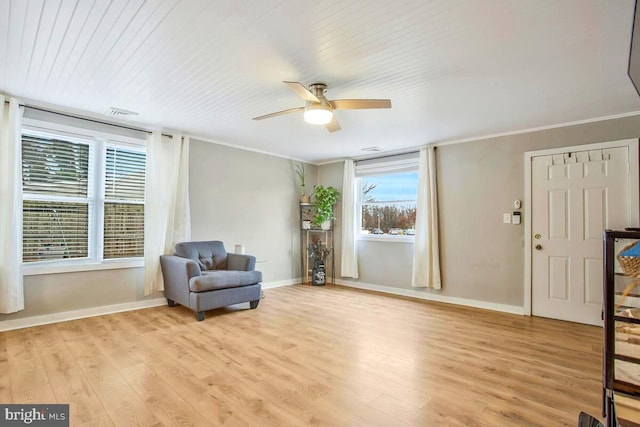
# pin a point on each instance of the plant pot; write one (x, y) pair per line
(326, 225)
(305, 199)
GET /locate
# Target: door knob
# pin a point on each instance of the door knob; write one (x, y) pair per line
(538, 247)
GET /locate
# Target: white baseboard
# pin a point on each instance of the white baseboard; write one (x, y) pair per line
(280, 283)
(27, 322)
(513, 309)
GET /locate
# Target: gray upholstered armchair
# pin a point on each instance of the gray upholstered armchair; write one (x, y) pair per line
(203, 276)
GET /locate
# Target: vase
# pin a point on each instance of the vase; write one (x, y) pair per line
(326, 225)
(319, 276)
(305, 199)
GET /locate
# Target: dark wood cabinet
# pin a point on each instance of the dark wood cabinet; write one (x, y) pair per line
(621, 315)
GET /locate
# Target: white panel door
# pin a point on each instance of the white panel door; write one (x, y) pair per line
(575, 197)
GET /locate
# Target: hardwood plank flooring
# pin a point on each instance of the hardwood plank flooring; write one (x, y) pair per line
(309, 356)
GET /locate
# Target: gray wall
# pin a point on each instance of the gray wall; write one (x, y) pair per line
(55, 293)
(242, 197)
(46, 116)
(481, 258)
(236, 196)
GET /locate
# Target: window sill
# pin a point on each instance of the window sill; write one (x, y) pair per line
(386, 238)
(37, 269)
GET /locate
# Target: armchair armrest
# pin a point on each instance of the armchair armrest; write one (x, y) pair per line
(176, 272)
(240, 262)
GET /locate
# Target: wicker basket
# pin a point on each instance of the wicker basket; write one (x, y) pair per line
(630, 265)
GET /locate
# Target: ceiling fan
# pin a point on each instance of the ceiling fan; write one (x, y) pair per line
(318, 110)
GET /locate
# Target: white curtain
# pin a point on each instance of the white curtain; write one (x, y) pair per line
(11, 289)
(167, 213)
(426, 253)
(350, 226)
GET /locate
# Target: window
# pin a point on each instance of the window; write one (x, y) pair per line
(124, 203)
(387, 200)
(57, 199)
(83, 199)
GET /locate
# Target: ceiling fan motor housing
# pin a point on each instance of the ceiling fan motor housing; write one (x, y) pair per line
(318, 89)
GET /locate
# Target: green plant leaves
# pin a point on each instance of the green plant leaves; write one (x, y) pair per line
(324, 198)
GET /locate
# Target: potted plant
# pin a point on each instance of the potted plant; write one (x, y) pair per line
(303, 177)
(318, 251)
(324, 199)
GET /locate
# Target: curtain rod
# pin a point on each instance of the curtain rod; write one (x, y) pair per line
(88, 119)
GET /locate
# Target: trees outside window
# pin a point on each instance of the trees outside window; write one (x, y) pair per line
(388, 203)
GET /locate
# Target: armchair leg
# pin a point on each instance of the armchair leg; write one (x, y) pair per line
(171, 303)
(254, 304)
(200, 316)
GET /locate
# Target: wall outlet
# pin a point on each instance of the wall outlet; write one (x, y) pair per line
(506, 218)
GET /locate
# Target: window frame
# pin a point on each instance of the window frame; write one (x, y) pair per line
(390, 167)
(89, 199)
(98, 142)
(104, 199)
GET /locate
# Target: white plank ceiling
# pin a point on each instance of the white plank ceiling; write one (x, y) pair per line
(453, 69)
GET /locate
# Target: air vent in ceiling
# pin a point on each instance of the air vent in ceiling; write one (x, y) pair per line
(372, 149)
(119, 112)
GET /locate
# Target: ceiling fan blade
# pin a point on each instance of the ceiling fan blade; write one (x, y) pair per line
(333, 125)
(359, 104)
(279, 113)
(302, 91)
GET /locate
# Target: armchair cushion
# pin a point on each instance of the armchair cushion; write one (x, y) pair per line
(241, 262)
(223, 279)
(210, 255)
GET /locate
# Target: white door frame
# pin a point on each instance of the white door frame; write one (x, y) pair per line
(634, 194)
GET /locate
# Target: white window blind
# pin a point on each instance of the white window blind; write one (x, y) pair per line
(124, 203)
(54, 167)
(55, 180)
(124, 174)
(387, 165)
(54, 230)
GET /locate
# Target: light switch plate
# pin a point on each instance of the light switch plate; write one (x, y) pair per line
(516, 218)
(506, 218)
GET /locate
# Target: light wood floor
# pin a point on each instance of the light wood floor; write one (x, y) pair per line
(309, 356)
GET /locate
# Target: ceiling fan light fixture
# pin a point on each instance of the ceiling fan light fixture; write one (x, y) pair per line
(318, 110)
(317, 113)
